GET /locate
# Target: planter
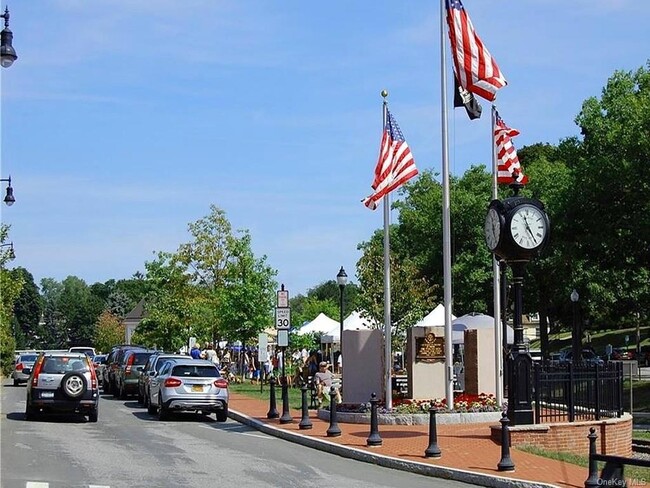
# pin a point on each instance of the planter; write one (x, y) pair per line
(413, 419)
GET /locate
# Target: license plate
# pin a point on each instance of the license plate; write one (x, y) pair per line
(47, 394)
(197, 388)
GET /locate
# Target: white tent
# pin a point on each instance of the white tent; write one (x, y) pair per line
(321, 324)
(435, 317)
(474, 321)
(354, 321)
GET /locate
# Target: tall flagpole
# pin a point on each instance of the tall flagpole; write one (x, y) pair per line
(496, 283)
(446, 216)
(387, 323)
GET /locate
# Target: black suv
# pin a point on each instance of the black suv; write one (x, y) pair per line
(62, 382)
(128, 371)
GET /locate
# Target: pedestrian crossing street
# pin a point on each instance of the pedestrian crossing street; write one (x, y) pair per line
(44, 484)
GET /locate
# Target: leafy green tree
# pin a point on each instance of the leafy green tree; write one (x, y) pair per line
(55, 330)
(80, 309)
(306, 309)
(10, 286)
(27, 311)
(108, 331)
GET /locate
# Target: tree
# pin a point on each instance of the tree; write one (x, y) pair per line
(27, 311)
(10, 286)
(108, 331)
(80, 309)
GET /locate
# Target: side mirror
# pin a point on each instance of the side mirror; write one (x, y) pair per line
(152, 373)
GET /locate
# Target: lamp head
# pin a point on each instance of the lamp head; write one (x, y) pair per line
(342, 277)
(9, 197)
(574, 296)
(7, 51)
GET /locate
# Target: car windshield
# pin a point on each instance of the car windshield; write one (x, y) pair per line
(141, 357)
(196, 371)
(28, 358)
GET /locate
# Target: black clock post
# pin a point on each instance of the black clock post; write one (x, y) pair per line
(516, 230)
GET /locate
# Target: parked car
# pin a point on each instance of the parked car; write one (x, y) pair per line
(589, 357)
(151, 368)
(90, 351)
(99, 362)
(23, 367)
(644, 357)
(62, 382)
(620, 353)
(112, 361)
(128, 371)
(189, 385)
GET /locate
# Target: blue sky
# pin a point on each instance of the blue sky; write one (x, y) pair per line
(124, 120)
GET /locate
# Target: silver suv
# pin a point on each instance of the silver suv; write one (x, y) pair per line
(188, 385)
(62, 382)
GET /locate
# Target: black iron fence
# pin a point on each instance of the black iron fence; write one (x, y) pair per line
(573, 392)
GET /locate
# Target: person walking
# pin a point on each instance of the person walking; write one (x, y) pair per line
(196, 351)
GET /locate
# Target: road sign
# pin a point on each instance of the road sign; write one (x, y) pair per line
(283, 298)
(262, 352)
(282, 318)
(283, 338)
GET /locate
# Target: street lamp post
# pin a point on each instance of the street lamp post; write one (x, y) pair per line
(7, 51)
(9, 196)
(576, 342)
(342, 280)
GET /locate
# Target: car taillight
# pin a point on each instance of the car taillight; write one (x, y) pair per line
(37, 370)
(221, 383)
(19, 367)
(172, 383)
(129, 363)
(93, 376)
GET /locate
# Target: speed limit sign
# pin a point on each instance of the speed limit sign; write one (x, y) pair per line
(282, 318)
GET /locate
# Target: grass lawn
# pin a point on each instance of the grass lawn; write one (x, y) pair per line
(295, 398)
(640, 395)
(641, 434)
(599, 339)
(631, 472)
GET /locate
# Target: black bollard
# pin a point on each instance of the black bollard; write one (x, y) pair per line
(374, 439)
(433, 450)
(506, 463)
(286, 415)
(273, 412)
(305, 423)
(333, 430)
(594, 480)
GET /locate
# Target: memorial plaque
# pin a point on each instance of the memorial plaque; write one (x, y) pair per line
(429, 348)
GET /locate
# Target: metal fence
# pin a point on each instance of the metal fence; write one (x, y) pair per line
(573, 392)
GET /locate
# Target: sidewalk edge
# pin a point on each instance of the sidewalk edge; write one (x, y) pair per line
(479, 479)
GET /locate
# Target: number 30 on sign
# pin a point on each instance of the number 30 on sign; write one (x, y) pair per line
(282, 318)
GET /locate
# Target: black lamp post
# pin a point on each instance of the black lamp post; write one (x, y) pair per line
(342, 280)
(576, 342)
(7, 51)
(9, 196)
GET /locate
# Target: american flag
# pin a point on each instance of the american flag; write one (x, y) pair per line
(475, 68)
(508, 168)
(395, 165)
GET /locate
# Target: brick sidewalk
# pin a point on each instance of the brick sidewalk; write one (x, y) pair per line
(466, 447)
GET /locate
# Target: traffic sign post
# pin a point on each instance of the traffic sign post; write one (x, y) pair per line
(282, 318)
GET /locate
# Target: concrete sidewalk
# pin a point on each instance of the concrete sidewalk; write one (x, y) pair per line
(468, 453)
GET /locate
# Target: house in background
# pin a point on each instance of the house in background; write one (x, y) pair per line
(132, 320)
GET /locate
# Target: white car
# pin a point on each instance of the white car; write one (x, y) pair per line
(188, 385)
(23, 367)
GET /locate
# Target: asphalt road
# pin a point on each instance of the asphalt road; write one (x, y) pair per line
(127, 447)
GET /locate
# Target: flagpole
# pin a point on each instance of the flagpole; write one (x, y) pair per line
(496, 282)
(387, 320)
(446, 217)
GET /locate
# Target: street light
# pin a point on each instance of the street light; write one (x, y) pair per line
(9, 198)
(7, 51)
(342, 280)
(576, 342)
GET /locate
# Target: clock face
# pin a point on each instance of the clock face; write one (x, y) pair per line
(528, 227)
(492, 229)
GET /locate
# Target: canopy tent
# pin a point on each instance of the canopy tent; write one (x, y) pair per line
(354, 321)
(474, 321)
(434, 318)
(321, 324)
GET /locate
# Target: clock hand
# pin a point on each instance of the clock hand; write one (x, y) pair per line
(529, 230)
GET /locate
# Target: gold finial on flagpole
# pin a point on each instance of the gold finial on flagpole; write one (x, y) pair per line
(384, 93)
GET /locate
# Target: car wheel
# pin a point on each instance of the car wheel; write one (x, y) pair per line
(145, 400)
(106, 386)
(30, 413)
(122, 394)
(73, 385)
(93, 415)
(222, 415)
(16, 382)
(163, 413)
(151, 409)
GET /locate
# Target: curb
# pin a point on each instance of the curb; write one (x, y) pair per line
(478, 479)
